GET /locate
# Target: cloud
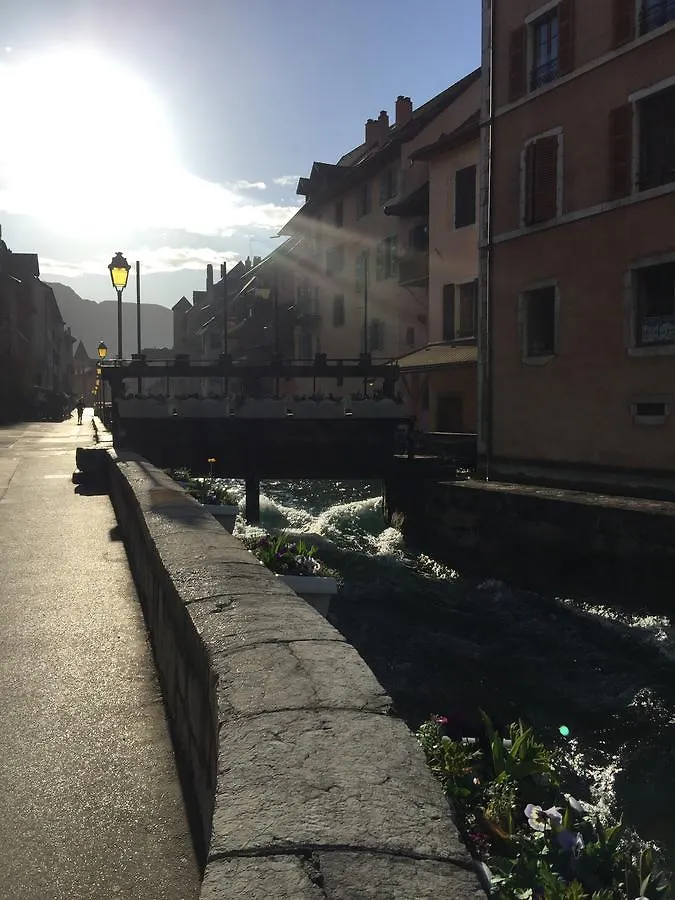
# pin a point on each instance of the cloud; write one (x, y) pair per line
(153, 260)
(243, 185)
(286, 180)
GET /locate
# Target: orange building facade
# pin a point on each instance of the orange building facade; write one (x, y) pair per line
(577, 343)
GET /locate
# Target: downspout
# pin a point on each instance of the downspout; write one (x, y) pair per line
(485, 386)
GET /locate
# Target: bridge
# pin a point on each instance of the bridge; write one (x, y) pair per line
(252, 431)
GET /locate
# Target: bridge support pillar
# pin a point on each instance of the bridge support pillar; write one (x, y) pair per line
(253, 501)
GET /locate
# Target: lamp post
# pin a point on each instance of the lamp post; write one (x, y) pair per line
(119, 275)
(102, 353)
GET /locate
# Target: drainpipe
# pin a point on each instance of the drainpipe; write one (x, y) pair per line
(485, 264)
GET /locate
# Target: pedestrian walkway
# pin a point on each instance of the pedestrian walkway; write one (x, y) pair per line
(90, 801)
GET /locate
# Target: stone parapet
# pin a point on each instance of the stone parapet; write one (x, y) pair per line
(307, 786)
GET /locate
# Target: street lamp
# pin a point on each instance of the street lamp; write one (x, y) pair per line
(119, 275)
(102, 350)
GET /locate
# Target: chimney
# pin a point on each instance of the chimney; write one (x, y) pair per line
(223, 270)
(247, 263)
(372, 133)
(404, 110)
(383, 125)
(209, 278)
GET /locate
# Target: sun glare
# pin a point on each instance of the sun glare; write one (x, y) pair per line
(89, 146)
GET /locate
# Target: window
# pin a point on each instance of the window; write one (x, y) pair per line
(306, 345)
(459, 310)
(465, 197)
(655, 13)
(541, 50)
(376, 335)
(657, 139)
(335, 259)
(361, 270)
(410, 337)
(388, 184)
(539, 321)
(541, 173)
(363, 200)
(651, 410)
(544, 50)
(655, 305)
(449, 413)
(339, 214)
(338, 310)
(386, 262)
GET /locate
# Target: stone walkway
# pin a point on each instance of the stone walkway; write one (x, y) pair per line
(91, 803)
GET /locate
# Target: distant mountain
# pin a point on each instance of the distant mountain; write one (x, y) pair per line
(92, 322)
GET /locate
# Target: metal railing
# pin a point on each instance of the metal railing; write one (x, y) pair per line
(544, 74)
(655, 13)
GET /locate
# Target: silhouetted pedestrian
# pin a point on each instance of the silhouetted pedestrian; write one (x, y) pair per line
(80, 410)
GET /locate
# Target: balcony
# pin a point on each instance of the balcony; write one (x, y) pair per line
(544, 73)
(655, 13)
(413, 267)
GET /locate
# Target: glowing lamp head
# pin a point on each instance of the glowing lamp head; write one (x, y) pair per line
(102, 350)
(119, 271)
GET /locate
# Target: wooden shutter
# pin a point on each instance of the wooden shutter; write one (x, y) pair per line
(448, 312)
(620, 151)
(566, 29)
(517, 62)
(529, 173)
(545, 186)
(623, 22)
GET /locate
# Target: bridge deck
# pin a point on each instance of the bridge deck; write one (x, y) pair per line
(91, 802)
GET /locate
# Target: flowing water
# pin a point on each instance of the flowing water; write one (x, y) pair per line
(441, 642)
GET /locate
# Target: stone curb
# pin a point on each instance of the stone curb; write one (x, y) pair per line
(306, 785)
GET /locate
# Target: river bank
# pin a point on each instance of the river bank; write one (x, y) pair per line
(443, 642)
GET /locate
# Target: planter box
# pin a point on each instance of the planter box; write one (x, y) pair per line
(225, 514)
(313, 589)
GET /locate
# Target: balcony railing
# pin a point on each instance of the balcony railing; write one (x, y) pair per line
(657, 330)
(413, 267)
(543, 74)
(655, 13)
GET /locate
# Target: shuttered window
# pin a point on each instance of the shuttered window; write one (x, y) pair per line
(468, 296)
(338, 310)
(517, 62)
(541, 180)
(623, 25)
(620, 151)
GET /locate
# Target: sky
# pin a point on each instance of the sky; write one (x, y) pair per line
(176, 130)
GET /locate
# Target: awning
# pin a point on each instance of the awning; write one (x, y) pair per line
(415, 204)
(435, 356)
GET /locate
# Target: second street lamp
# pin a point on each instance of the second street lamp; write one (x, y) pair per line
(119, 275)
(102, 353)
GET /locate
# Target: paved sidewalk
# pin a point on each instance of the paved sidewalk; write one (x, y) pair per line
(90, 801)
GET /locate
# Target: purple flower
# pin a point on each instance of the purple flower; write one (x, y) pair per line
(570, 841)
(542, 819)
(440, 720)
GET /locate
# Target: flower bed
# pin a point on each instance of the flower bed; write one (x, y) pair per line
(297, 564)
(216, 500)
(529, 838)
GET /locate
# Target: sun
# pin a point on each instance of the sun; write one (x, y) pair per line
(87, 145)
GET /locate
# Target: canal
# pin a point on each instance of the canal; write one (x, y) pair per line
(443, 642)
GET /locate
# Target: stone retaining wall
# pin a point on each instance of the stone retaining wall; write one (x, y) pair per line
(307, 785)
(510, 529)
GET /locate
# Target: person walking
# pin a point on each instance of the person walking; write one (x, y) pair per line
(80, 410)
